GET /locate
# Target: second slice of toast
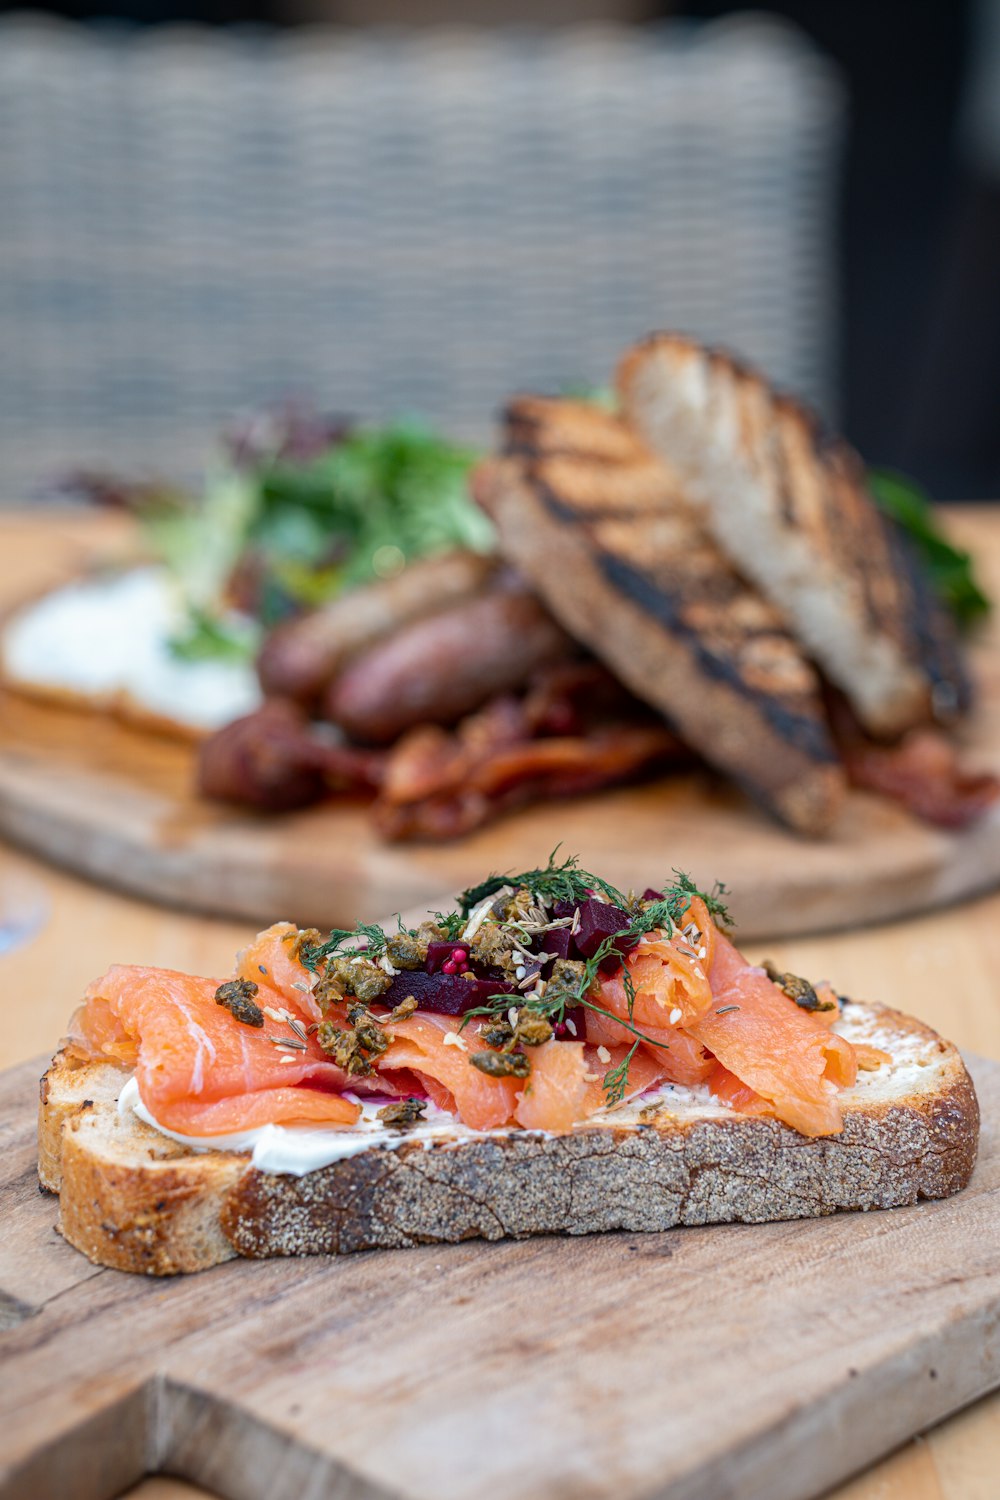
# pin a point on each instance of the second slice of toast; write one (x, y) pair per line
(601, 528)
(789, 504)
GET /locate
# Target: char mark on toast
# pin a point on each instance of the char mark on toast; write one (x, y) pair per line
(789, 504)
(536, 425)
(627, 567)
(794, 723)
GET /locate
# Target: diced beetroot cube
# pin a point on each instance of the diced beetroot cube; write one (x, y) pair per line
(559, 941)
(614, 959)
(598, 920)
(449, 994)
(650, 895)
(563, 908)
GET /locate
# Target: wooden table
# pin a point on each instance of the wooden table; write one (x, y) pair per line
(942, 967)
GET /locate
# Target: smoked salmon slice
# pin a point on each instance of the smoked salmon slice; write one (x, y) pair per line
(773, 1047)
(268, 1106)
(567, 1083)
(191, 1054)
(680, 1057)
(555, 1095)
(419, 1044)
(271, 960)
(685, 1008)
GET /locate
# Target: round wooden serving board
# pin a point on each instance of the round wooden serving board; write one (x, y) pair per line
(116, 804)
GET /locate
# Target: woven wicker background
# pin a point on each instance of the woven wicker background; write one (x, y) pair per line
(191, 222)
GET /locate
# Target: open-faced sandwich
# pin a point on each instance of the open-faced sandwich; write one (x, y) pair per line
(553, 1056)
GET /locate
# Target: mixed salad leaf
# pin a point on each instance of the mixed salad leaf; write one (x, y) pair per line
(950, 568)
(296, 508)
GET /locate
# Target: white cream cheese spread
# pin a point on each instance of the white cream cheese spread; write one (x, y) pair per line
(300, 1149)
(109, 637)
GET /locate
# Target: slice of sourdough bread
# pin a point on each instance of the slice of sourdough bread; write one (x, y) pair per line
(602, 530)
(790, 506)
(133, 1199)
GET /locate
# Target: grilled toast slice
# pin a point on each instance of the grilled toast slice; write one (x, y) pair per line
(600, 527)
(136, 1200)
(789, 504)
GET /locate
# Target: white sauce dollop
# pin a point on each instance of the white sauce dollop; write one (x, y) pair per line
(298, 1149)
(109, 637)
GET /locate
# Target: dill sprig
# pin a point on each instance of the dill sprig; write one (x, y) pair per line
(578, 982)
(452, 923)
(616, 1079)
(563, 881)
(680, 895)
(367, 939)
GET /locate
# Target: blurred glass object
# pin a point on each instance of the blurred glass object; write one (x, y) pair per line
(24, 911)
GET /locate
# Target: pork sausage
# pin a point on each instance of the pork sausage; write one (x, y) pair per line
(300, 656)
(440, 668)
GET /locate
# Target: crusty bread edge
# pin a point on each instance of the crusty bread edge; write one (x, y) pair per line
(733, 732)
(871, 661)
(120, 706)
(163, 1209)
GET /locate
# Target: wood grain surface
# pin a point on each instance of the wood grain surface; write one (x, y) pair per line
(603, 1366)
(115, 803)
(57, 932)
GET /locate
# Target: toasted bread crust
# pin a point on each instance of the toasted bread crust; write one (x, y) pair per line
(627, 568)
(157, 1212)
(790, 504)
(121, 706)
(68, 1089)
(132, 1199)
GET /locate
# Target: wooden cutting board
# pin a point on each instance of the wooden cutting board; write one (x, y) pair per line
(116, 805)
(764, 1362)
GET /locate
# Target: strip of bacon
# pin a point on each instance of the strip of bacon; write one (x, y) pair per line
(275, 760)
(439, 785)
(925, 774)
